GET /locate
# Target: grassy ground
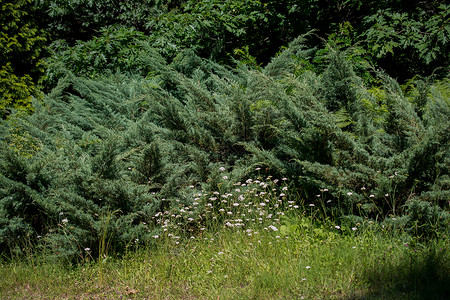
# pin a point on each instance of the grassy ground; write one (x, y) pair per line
(261, 263)
(255, 244)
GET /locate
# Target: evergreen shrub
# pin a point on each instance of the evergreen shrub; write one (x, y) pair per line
(101, 157)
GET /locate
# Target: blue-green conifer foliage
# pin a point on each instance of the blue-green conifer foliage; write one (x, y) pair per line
(124, 147)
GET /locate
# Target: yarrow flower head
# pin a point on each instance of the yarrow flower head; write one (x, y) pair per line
(273, 228)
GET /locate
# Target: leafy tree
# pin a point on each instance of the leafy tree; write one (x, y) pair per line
(116, 49)
(209, 27)
(22, 48)
(403, 37)
(410, 42)
(75, 20)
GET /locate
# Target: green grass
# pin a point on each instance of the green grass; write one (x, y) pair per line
(256, 244)
(258, 264)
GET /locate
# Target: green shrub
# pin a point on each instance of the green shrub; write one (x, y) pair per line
(122, 148)
(426, 220)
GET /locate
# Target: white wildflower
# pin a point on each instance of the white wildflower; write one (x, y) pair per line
(273, 228)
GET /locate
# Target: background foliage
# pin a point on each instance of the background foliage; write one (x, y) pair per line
(402, 37)
(22, 52)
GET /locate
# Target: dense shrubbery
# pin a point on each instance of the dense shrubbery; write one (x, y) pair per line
(184, 99)
(100, 157)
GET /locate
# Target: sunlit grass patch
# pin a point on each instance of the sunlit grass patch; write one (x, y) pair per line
(252, 243)
(233, 264)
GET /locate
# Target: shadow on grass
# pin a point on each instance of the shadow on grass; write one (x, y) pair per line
(413, 274)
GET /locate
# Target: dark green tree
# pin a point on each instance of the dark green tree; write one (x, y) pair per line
(75, 20)
(22, 48)
(411, 41)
